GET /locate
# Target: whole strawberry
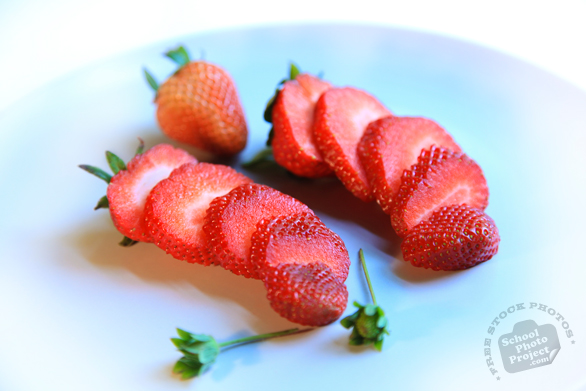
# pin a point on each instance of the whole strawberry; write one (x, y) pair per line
(454, 238)
(199, 105)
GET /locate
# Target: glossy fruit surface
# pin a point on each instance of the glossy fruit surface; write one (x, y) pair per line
(341, 118)
(199, 105)
(440, 178)
(129, 189)
(453, 238)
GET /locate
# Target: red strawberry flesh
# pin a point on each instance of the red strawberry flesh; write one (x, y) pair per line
(440, 178)
(128, 190)
(308, 294)
(231, 220)
(176, 208)
(293, 142)
(391, 145)
(300, 238)
(341, 117)
(454, 238)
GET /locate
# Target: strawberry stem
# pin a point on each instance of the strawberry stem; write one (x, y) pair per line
(363, 262)
(116, 164)
(151, 80)
(102, 203)
(97, 172)
(293, 71)
(127, 242)
(369, 323)
(262, 337)
(140, 148)
(179, 56)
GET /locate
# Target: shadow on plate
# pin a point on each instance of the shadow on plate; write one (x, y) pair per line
(98, 244)
(418, 275)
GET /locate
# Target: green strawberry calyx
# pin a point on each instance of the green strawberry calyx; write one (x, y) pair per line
(368, 323)
(179, 56)
(116, 165)
(201, 350)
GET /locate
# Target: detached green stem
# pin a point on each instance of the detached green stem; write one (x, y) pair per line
(363, 262)
(262, 337)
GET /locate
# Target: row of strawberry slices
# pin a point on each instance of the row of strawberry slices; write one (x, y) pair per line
(411, 166)
(212, 215)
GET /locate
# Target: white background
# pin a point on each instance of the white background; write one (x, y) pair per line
(41, 40)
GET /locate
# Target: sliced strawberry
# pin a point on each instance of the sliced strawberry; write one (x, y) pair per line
(341, 117)
(440, 178)
(231, 220)
(176, 207)
(309, 294)
(455, 237)
(300, 238)
(391, 145)
(128, 190)
(292, 116)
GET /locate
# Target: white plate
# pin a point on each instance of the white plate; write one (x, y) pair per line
(78, 312)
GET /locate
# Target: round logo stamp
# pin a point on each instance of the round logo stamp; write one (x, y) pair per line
(525, 344)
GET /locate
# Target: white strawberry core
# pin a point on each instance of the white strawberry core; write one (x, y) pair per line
(148, 181)
(193, 215)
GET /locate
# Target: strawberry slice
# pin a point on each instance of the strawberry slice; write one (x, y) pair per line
(128, 189)
(341, 117)
(309, 294)
(231, 220)
(455, 237)
(391, 145)
(176, 207)
(292, 116)
(440, 178)
(300, 238)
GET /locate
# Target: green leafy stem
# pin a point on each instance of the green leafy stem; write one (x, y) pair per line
(368, 323)
(201, 350)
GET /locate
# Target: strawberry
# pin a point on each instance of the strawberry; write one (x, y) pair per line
(391, 145)
(176, 207)
(341, 117)
(300, 238)
(309, 293)
(199, 105)
(292, 117)
(440, 178)
(231, 220)
(455, 237)
(129, 187)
